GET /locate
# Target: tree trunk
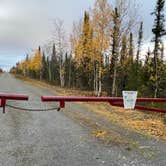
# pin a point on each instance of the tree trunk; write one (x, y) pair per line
(69, 83)
(100, 84)
(49, 71)
(155, 70)
(95, 79)
(61, 72)
(40, 77)
(114, 82)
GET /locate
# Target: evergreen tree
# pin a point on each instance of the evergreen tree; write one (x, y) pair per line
(84, 54)
(44, 67)
(140, 37)
(115, 51)
(122, 68)
(54, 66)
(158, 31)
(26, 65)
(48, 62)
(131, 49)
(123, 52)
(87, 37)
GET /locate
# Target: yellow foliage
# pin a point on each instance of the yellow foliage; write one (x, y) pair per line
(102, 15)
(34, 63)
(37, 61)
(95, 35)
(20, 66)
(84, 46)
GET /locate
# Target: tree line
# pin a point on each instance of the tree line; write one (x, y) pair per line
(105, 53)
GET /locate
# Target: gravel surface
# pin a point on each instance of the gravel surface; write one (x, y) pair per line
(57, 139)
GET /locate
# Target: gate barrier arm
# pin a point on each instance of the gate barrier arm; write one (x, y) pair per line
(62, 99)
(4, 97)
(118, 101)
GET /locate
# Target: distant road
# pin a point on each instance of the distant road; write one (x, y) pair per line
(53, 139)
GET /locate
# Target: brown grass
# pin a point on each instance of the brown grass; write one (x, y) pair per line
(145, 123)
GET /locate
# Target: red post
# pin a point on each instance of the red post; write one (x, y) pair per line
(3, 103)
(0, 103)
(62, 104)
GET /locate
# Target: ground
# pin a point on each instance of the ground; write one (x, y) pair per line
(75, 136)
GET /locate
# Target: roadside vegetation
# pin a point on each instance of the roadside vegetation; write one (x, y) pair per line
(1, 71)
(104, 53)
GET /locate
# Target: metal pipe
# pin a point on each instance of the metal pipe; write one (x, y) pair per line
(9, 96)
(79, 99)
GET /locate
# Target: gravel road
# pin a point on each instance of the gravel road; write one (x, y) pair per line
(54, 139)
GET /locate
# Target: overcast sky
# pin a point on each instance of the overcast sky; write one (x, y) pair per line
(26, 24)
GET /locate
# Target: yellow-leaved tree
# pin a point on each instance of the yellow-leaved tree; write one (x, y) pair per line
(33, 64)
(84, 53)
(84, 47)
(102, 19)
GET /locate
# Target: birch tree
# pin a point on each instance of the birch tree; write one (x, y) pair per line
(61, 45)
(102, 19)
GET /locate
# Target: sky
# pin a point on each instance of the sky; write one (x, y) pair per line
(26, 24)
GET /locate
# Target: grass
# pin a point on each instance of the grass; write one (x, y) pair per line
(152, 124)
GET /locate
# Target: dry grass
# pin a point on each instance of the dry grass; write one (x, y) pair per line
(148, 123)
(142, 122)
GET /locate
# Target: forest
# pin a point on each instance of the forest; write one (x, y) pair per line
(104, 52)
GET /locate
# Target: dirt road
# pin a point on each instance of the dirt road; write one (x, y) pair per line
(54, 139)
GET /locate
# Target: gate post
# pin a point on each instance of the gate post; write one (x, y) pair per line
(62, 104)
(3, 104)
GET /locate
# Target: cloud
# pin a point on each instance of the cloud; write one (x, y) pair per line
(26, 24)
(150, 45)
(22, 26)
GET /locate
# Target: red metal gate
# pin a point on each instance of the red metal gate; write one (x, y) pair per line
(113, 101)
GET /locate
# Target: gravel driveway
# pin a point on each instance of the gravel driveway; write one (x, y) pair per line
(54, 139)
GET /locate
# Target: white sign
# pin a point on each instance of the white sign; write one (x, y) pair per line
(129, 99)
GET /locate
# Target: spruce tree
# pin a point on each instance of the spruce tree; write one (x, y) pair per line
(140, 36)
(123, 51)
(115, 50)
(158, 31)
(131, 48)
(54, 65)
(44, 67)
